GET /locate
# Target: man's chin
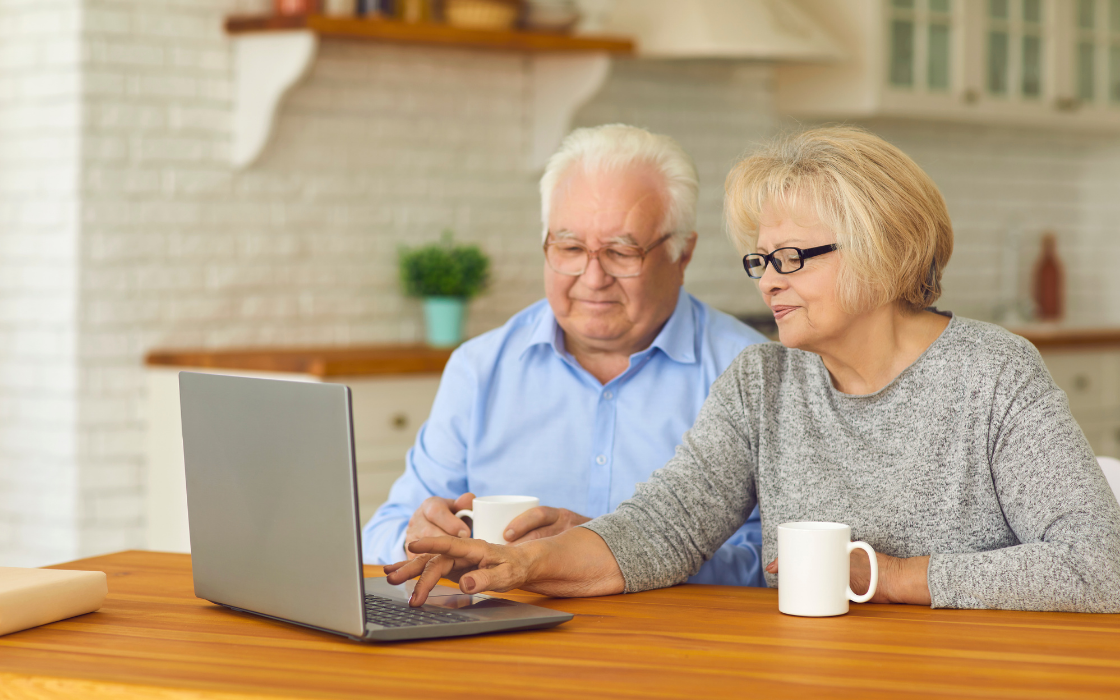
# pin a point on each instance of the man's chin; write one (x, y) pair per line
(593, 332)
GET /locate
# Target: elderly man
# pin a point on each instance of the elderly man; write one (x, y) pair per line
(580, 397)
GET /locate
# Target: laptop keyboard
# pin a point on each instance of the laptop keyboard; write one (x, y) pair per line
(384, 612)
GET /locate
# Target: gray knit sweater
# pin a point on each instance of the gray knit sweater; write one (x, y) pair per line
(969, 456)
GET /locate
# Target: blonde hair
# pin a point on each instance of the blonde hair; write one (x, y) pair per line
(891, 224)
(615, 147)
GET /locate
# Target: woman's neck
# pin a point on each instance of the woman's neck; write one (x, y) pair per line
(879, 346)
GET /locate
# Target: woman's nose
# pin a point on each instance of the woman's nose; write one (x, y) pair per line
(771, 281)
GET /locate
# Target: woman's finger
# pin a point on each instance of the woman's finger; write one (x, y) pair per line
(404, 570)
(504, 576)
(455, 547)
(433, 572)
(772, 567)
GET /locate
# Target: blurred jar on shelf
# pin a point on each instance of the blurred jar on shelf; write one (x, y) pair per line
(414, 11)
(482, 14)
(340, 8)
(292, 8)
(1049, 281)
(559, 16)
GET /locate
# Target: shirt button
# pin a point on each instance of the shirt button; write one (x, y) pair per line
(600, 460)
(608, 395)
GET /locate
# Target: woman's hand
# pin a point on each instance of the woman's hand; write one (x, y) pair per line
(575, 563)
(475, 565)
(900, 580)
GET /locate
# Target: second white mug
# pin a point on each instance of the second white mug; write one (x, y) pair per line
(492, 514)
(814, 569)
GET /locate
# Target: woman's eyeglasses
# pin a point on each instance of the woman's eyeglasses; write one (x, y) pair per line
(784, 260)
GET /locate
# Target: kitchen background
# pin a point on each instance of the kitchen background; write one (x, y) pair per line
(125, 228)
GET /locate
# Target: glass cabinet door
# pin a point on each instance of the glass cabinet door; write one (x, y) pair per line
(1015, 42)
(919, 44)
(1096, 51)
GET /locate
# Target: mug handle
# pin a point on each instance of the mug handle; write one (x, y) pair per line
(465, 513)
(852, 546)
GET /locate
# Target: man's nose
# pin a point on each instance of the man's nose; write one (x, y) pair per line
(594, 276)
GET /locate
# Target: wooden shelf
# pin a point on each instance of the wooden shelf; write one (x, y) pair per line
(1069, 338)
(318, 362)
(431, 34)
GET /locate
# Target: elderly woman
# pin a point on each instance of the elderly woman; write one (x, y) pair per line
(942, 441)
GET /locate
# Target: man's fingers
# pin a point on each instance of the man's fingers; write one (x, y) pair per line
(772, 567)
(549, 531)
(463, 502)
(438, 513)
(530, 520)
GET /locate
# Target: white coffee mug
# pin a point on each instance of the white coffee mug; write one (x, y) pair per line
(813, 569)
(492, 514)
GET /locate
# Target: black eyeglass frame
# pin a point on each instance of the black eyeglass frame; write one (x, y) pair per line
(768, 258)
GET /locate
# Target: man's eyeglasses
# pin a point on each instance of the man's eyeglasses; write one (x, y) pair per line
(570, 257)
(784, 260)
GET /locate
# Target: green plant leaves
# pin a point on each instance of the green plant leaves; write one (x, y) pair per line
(444, 269)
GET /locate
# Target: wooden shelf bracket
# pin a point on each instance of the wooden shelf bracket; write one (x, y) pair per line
(561, 85)
(269, 63)
(266, 67)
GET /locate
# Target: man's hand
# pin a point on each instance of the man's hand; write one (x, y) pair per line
(435, 518)
(542, 521)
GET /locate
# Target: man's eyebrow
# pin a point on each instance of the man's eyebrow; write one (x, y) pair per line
(625, 239)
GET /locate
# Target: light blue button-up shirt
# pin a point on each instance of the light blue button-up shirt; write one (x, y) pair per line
(515, 414)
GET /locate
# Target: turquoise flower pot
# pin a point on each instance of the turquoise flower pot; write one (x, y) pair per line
(443, 320)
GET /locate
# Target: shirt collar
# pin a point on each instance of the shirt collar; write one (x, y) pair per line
(677, 338)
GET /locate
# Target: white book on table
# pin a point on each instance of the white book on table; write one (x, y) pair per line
(33, 597)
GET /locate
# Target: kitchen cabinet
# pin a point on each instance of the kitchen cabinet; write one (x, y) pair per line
(1045, 63)
(1085, 364)
(392, 389)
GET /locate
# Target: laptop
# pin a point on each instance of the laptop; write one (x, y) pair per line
(274, 527)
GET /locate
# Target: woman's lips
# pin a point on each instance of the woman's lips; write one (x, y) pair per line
(781, 312)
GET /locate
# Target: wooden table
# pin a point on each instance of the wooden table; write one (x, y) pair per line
(153, 638)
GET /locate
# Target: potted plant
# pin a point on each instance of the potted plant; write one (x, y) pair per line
(445, 276)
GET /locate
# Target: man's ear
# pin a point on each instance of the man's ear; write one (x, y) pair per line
(686, 251)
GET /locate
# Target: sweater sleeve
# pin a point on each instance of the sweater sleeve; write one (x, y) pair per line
(1057, 502)
(688, 508)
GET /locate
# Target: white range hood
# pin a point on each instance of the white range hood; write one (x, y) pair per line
(766, 30)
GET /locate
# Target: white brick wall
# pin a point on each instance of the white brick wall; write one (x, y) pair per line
(994, 178)
(39, 116)
(380, 146)
(122, 227)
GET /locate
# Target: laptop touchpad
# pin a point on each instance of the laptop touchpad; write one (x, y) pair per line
(380, 586)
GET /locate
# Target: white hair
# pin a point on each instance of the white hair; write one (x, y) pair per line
(616, 147)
